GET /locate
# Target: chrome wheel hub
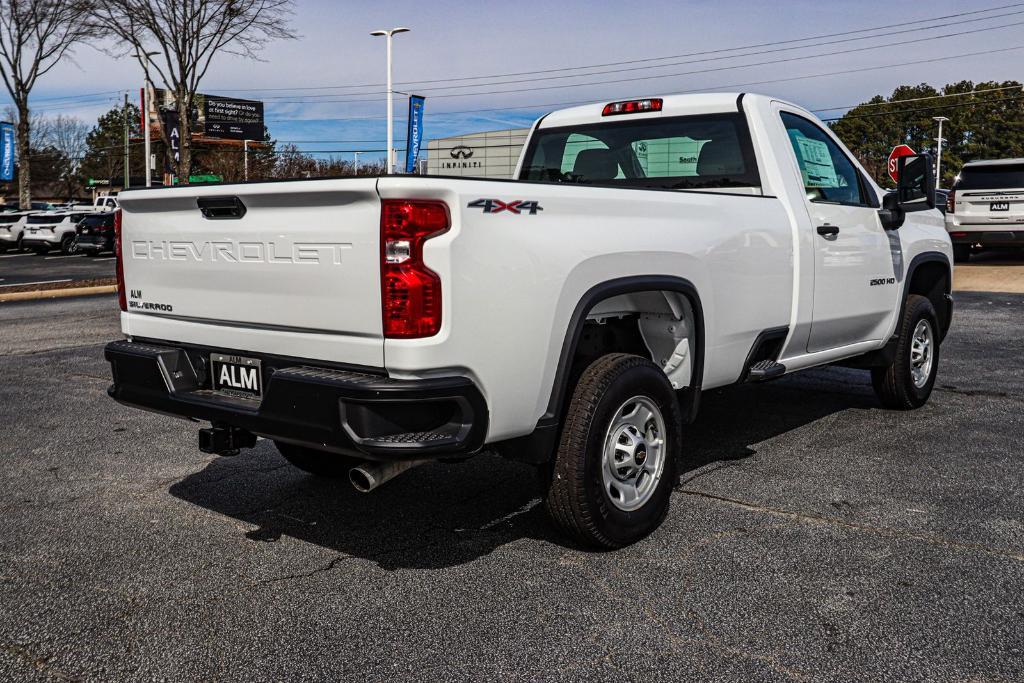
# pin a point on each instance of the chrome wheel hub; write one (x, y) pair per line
(634, 454)
(922, 345)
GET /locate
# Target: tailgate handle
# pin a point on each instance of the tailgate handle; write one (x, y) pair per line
(221, 208)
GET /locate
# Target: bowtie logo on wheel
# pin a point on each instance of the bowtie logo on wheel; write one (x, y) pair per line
(517, 206)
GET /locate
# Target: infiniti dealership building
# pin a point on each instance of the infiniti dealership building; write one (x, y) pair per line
(492, 154)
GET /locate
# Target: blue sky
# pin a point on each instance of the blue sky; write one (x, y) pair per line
(328, 85)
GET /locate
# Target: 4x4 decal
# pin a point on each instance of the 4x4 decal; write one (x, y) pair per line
(518, 206)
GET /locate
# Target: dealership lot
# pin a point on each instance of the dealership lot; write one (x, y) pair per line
(814, 537)
(25, 268)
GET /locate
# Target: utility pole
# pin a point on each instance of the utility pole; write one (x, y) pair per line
(938, 155)
(127, 167)
(356, 156)
(391, 156)
(245, 145)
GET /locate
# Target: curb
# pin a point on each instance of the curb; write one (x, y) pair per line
(57, 293)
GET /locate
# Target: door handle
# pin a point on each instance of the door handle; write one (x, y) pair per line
(828, 230)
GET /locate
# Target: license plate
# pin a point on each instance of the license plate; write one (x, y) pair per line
(236, 375)
(999, 206)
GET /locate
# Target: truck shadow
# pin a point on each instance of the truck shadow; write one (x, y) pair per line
(441, 515)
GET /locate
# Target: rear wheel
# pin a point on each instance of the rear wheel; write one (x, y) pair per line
(68, 245)
(320, 463)
(616, 462)
(907, 382)
(961, 253)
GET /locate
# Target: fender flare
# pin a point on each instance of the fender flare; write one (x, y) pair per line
(945, 317)
(608, 289)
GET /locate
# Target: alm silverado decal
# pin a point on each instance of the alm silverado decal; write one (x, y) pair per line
(518, 206)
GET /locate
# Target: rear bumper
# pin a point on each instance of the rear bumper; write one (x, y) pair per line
(36, 241)
(94, 242)
(328, 408)
(986, 235)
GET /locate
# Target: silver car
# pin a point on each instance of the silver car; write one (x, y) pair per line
(51, 230)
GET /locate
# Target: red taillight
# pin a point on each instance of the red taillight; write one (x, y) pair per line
(122, 295)
(410, 292)
(951, 202)
(958, 235)
(631, 107)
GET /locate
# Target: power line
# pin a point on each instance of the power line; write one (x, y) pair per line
(917, 99)
(429, 91)
(941, 107)
(902, 25)
(535, 106)
(632, 79)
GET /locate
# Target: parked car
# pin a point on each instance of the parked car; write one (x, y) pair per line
(650, 250)
(95, 233)
(51, 230)
(985, 208)
(12, 227)
(105, 203)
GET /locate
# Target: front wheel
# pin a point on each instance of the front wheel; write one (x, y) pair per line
(616, 461)
(907, 382)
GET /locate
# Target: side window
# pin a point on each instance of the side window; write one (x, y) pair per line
(829, 175)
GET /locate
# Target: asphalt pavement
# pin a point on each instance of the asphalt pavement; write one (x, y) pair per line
(815, 537)
(25, 268)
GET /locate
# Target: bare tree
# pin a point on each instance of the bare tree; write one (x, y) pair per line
(34, 36)
(68, 135)
(186, 35)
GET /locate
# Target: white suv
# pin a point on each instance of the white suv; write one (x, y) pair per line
(12, 226)
(985, 208)
(51, 230)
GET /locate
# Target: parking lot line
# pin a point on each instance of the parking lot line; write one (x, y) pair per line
(106, 258)
(42, 282)
(50, 258)
(16, 255)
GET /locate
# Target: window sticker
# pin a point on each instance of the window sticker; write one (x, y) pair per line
(668, 157)
(815, 161)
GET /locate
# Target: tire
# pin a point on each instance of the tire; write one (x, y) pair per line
(68, 246)
(589, 496)
(907, 383)
(961, 253)
(319, 463)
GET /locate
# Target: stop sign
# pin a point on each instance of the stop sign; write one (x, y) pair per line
(897, 152)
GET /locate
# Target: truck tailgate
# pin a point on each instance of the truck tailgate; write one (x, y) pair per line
(289, 268)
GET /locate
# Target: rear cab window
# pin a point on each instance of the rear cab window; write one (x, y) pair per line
(702, 152)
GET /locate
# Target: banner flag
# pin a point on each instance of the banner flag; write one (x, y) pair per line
(6, 151)
(415, 137)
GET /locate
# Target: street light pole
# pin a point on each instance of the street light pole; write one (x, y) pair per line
(938, 155)
(355, 156)
(391, 160)
(145, 118)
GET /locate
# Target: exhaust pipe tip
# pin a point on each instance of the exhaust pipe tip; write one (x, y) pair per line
(362, 480)
(367, 476)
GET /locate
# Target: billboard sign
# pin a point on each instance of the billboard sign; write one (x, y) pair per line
(6, 151)
(232, 119)
(415, 137)
(224, 118)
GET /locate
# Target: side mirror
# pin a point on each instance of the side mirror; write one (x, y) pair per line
(891, 214)
(916, 185)
(915, 191)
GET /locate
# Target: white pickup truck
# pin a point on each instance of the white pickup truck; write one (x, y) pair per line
(650, 249)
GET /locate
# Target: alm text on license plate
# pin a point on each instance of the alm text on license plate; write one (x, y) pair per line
(236, 375)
